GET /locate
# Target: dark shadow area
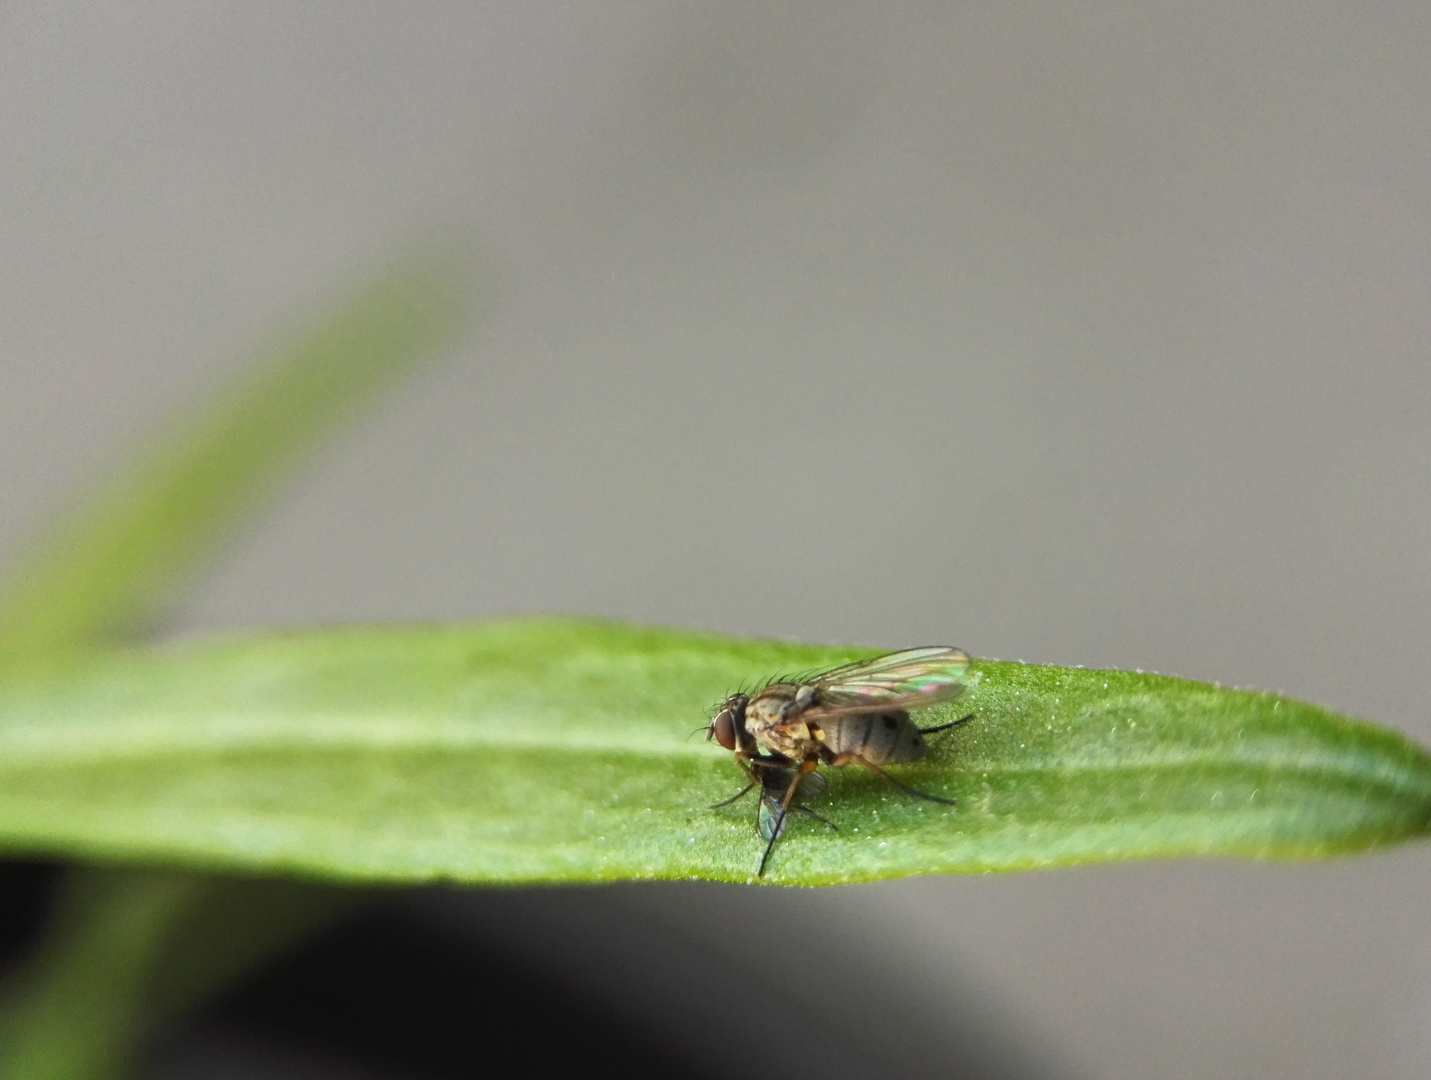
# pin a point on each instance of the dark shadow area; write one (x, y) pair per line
(675, 980)
(388, 994)
(756, 983)
(27, 891)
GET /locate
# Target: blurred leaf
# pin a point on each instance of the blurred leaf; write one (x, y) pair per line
(558, 751)
(79, 1018)
(131, 948)
(115, 560)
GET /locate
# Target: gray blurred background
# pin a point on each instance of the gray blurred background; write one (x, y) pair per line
(1077, 333)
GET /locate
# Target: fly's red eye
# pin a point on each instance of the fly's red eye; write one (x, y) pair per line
(723, 728)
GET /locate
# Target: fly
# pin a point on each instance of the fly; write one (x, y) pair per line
(858, 712)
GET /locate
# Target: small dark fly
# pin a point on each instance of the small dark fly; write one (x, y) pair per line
(858, 712)
(775, 778)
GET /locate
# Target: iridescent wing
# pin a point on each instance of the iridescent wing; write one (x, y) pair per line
(912, 679)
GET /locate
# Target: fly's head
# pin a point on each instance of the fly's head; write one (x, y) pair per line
(727, 727)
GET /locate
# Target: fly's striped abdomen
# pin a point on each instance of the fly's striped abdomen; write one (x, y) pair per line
(880, 738)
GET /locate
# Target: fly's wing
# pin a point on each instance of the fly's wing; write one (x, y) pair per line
(772, 790)
(773, 783)
(766, 822)
(912, 679)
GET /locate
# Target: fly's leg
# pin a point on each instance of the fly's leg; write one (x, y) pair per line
(805, 767)
(733, 798)
(810, 813)
(872, 767)
(946, 727)
(751, 767)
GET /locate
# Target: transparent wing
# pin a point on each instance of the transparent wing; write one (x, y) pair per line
(911, 679)
(773, 783)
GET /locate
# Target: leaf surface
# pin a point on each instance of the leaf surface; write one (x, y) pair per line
(545, 750)
(122, 960)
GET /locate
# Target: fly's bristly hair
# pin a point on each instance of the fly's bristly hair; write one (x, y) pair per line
(799, 678)
(746, 688)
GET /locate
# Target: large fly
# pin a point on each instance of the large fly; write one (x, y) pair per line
(858, 712)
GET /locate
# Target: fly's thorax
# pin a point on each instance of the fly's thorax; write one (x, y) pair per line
(774, 723)
(793, 740)
(769, 707)
(880, 738)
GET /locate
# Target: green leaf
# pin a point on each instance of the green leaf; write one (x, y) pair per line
(137, 950)
(116, 558)
(562, 751)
